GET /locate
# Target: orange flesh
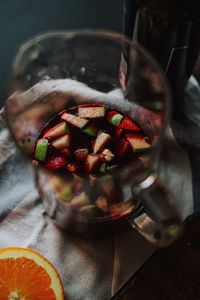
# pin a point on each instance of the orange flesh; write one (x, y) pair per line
(23, 277)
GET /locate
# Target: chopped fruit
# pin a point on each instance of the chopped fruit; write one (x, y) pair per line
(101, 141)
(91, 112)
(58, 182)
(81, 154)
(91, 162)
(90, 129)
(41, 150)
(26, 274)
(107, 184)
(122, 147)
(108, 155)
(120, 209)
(138, 143)
(114, 117)
(66, 192)
(74, 120)
(118, 132)
(103, 168)
(78, 183)
(128, 124)
(55, 163)
(80, 200)
(62, 142)
(102, 203)
(72, 167)
(112, 168)
(66, 152)
(56, 131)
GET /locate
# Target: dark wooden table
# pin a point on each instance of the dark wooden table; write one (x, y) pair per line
(170, 274)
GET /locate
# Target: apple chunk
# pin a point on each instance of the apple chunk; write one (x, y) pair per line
(62, 142)
(74, 120)
(138, 143)
(91, 112)
(56, 131)
(91, 162)
(101, 141)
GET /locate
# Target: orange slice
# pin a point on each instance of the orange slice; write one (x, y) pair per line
(27, 275)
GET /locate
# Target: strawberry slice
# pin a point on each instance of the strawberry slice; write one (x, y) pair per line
(74, 120)
(108, 155)
(91, 112)
(91, 162)
(81, 154)
(101, 141)
(55, 163)
(128, 124)
(138, 143)
(62, 142)
(56, 131)
(122, 147)
(114, 117)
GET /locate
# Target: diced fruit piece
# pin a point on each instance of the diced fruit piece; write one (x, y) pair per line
(103, 168)
(80, 200)
(74, 120)
(90, 129)
(122, 147)
(72, 167)
(138, 143)
(108, 155)
(91, 162)
(66, 152)
(118, 132)
(41, 149)
(66, 193)
(62, 142)
(114, 117)
(58, 182)
(78, 183)
(55, 163)
(128, 124)
(88, 210)
(81, 154)
(107, 184)
(56, 131)
(101, 141)
(120, 209)
(112, 168)
(102, 203)
(91, 112)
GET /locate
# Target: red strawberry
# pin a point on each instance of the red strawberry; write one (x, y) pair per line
(101, 141)
(91, 112)
(137, 142)
(66, 152)
(81, 154)
(55, 163)
(91, 162)
(122, 147)
(128, 124)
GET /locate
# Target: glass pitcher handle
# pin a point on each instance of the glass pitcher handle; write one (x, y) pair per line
(159, 221)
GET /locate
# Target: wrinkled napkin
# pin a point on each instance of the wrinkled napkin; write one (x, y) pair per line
(95, 268)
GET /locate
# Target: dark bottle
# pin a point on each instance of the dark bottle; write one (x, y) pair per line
(170, 30)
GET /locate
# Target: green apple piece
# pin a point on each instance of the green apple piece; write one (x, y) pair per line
(80, 200)
(90, 130)
(116, 119)
(66, 192)
(41, 149)
(91, 112)
(74, 120)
